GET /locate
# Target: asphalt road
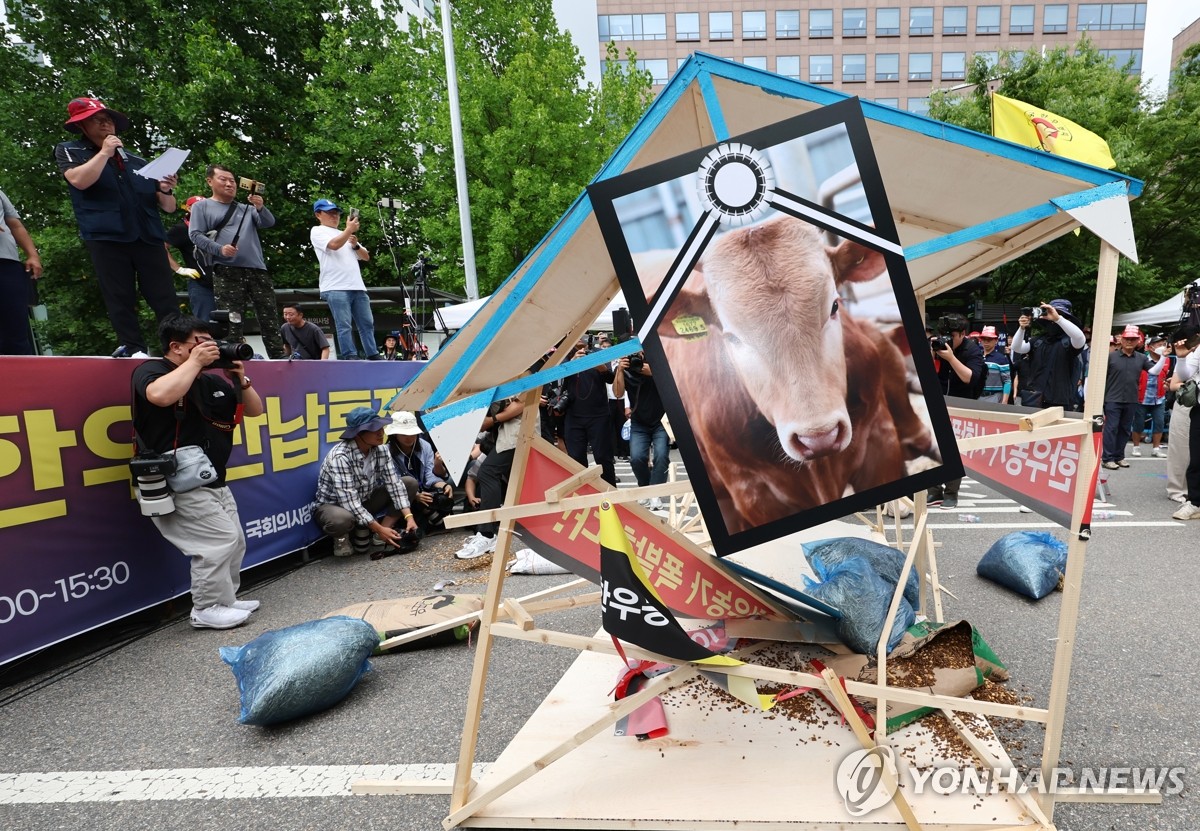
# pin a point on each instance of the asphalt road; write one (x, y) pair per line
(150, 711)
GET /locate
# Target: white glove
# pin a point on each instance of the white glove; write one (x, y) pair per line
(189, 272)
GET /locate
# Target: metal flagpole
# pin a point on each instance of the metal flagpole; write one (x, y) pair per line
(460, 163)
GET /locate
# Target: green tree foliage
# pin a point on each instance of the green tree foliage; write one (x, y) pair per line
(313, 98)
(1156, 144)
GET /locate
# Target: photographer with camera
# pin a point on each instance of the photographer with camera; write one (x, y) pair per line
(357, 481)
(340, 281)
(588, 419)
(961, 372)
(1051, 339)
(431, 496)
(176, 405)
(1183, 459)
(645, 413)
(225, 231)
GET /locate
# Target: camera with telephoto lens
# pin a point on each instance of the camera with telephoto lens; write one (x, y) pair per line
(230, 351)
(1032, 312)
(150, 476)
(637, 361)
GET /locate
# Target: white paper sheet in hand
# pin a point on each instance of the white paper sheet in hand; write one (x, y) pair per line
(165, 165)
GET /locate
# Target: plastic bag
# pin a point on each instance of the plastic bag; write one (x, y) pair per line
(1028, 562)
(885, 560)
(528, 561)
(288, 673)
(863, 597)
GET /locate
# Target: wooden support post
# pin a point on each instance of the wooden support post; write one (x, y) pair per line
(1041, 418)
(848, 712)
(517, 612)
(1068, 427)
(1068, 616)
(587, 476)
(516, 511)
(881, 647)
(488, 616)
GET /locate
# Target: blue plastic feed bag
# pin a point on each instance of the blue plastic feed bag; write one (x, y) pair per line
(303, 669)
(863, 597)
(1028, 562)
(886, 561)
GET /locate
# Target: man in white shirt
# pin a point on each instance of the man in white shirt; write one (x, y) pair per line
(341, 283)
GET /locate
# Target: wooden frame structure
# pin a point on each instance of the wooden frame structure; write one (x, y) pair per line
(943, 250)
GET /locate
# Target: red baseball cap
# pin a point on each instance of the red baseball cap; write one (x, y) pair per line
(192, 200)
(1132, 331)
(987, 332)
(81, 109)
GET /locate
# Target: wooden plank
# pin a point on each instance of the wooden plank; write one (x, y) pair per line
(1068, 615)
(587, 476)
(488, 616)
(864, 738)
(517, 612)
(574, 503)
(614, 711)
(1072, 427)
(578, 601)
(881, 698)
(1042, 418)
(399, 787)
(782, 676)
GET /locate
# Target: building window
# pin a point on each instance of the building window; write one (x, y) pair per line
(820, 69)
(987, 20)
(1054, 19)
(887, 67)
(954, 66)
(888, 102)
(1129, 60)
(920, 20)
(990, 59)
(1020, 20)
(820, 23)
(687, 26)
(854, 67)
(1105, 16)
(756, 62)
(657, 67)
(787, 23)
(854, 23)
(788, 66)
(632, 27)
(920, 66)
(954, 20)
(920, 106)
(754, 25)
(887, 22)
(720, 25)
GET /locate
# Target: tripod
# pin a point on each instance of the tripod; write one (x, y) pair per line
(413, 326)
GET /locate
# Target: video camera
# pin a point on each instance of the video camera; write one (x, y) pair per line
(218, 327)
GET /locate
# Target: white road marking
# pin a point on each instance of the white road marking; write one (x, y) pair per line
(281, 781)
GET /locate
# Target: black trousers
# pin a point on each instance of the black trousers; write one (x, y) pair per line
(14, 310)
(492, 482)
(1192, 476)
(616, 411)
(124, 268)
(597, 431)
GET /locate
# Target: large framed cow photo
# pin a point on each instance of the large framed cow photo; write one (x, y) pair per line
(773, 303)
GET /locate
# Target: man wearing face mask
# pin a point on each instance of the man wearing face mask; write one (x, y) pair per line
(1051, 372)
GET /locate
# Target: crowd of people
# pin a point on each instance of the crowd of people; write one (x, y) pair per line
(1046, 365)
(215, 248)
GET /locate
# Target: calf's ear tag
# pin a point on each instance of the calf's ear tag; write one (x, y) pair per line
(689, 326)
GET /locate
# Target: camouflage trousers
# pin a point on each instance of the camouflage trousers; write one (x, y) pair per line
(234, 286)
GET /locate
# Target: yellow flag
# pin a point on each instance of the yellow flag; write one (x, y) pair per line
(1035, 127)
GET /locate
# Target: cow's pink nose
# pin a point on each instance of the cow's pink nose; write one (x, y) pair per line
(811, 445)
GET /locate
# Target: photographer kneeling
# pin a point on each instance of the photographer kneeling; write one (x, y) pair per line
(357, 481)
(177, 406)
(430, 496)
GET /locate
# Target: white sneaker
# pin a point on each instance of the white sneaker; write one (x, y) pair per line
(1179, 497)
(1188, 511)
(218, 617)
(1159, 453)
(656, 504)
(246, 605)
(341, 547)
(1137, 451)
(476, 547)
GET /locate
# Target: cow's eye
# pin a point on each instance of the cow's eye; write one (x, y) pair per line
(733, 339)
(833, 312)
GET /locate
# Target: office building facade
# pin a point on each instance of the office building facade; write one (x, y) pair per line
(894, 53)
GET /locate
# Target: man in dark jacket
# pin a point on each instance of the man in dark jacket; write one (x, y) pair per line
(117, 211)
(961, 371)
(589, 420)
(1050, 375)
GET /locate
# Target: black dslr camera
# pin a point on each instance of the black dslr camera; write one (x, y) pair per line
(937, 344)
(218, 326)
(637, 361)
(408, 543)
(1032, 312)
